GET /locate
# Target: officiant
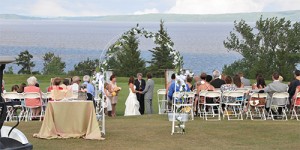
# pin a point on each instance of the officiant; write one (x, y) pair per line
(140, 86)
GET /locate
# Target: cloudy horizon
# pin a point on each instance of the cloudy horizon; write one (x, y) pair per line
(56, 8)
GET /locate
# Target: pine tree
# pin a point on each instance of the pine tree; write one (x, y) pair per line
(24, 60)
(85, 67)
(53, 64)
(161, 56)
(127, 60)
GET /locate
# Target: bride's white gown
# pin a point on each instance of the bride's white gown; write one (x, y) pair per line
(132, 105)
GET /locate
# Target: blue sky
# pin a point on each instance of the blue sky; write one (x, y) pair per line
(52, 8)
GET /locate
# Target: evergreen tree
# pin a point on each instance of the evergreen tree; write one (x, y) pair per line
(272, 45)
(53, 64)
(161, 54)
(127, 59)
(85, 67)
(24, 60)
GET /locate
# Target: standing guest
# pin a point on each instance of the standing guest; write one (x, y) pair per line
(217, 82)
(114, 90)
(293, 85)
(148, 91)
(245, 81)
(107, 99)
(140, 84)
(14, 88)
(66, 84)
(21, 87)
(35, 102)
(260, 83)
(228, 86)
(275, 86)
(237, 81)
(90, 88)
(55, 85)
(75, 83)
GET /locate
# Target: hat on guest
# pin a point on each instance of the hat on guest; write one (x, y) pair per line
(75, 79)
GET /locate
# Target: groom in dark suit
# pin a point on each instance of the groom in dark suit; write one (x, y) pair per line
(140, 86)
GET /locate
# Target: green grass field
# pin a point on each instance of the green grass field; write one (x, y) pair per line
(154, 131)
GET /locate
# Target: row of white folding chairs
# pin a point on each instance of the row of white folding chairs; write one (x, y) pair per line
(26, 111)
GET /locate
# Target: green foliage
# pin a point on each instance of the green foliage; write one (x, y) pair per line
(10, 70)
(53, 64)
(161, 54)
(24, 60)
(272, 45)
(127, 59)
(85, 67)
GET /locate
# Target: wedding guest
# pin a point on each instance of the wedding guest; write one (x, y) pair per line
(228, 86)
(90, 88)
(55, 85)
(280, 78)
(203, 86)
(35, 102)
(107, 99)
(140, 84)
(217, 82)
(176, 87)
(296, 100)
(114, 90)
(75, 83)
(196, 80)
(15, 88)
(3, 89)
(189, 81)
(208, 78)
(245, 81)
(275, 86)
(237, 81)
(260, 82)
(21, 87)
(148, 91)
(66, 84)
(293, 85)
(173, 77)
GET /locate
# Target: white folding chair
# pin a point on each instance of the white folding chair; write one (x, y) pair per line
(278, 101)
(162, 101)
(296, 107)
(33, 95)
(9, 97)
(256, 105)
(234, 104)
(216, 96)
(201, 96)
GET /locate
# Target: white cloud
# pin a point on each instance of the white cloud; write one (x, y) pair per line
(147, 11)
(231, 6)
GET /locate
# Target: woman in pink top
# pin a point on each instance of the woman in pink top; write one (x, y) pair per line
(36, 101)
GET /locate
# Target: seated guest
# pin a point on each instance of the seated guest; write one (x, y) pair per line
(280, 78)
(15, 88)
(294, 84)
(208, 78)
(176, 87)
(196, 80)
(237, 81)
(189, 82)
(217, 82)
(296, 100)
(260, 82)
(89, 87)
(3, 89)
(275, 86)
(173, 77)
(36, 102)
(55, 85)
(21, 87)
(228, 86)
(66, 84)
(203, 86)
(245, 81)
(75, 83)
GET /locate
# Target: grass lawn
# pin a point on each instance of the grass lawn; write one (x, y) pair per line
(153, 132)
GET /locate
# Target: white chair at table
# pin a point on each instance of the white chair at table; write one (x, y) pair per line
(162, 101)
(235, 102)
(216, 97)
(284, 98)
(256, 105)
(28, 112)
(296, 107)
(8, 97)
(201, 103)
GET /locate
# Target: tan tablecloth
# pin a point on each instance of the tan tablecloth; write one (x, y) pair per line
(70, 120)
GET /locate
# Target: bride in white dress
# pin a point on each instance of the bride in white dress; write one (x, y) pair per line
(132, 104)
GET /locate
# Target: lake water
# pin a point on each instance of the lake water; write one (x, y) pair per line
(201, 44)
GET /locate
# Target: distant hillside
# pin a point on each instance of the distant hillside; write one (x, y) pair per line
(251, 17)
